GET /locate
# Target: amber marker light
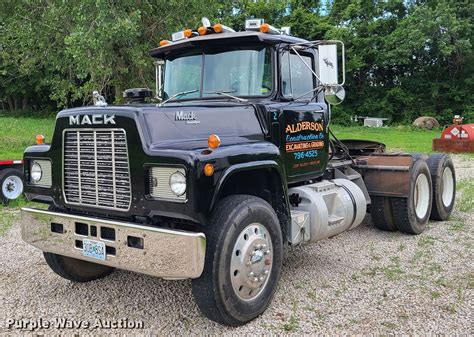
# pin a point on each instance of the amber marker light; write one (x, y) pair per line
(202, 30)
(164, 43)
(208, 170)
(217, 28)
(39, 139)
(188, 33)
(213, 141)
(264, 27)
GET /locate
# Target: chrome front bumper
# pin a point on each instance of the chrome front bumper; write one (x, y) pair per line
(170, 254)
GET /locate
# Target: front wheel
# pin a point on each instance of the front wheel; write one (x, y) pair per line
(243, 261)
(76, 270)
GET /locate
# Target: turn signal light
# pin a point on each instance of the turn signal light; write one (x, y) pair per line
(208, 170)
(164, 43)
(264, 27)
(39, 139)
(213, 141)
(188, 33)
(202, 30)
(217, 28)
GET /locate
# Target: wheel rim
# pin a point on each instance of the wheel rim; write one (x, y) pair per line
(251, 263)
(422, 196)
(448, 187)
(12, 187)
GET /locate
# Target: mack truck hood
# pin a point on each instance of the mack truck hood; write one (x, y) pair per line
(177, 126)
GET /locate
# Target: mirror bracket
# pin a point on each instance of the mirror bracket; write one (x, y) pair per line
(158, 78)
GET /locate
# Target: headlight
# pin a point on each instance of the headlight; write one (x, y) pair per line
(178, 183)
(36, 172)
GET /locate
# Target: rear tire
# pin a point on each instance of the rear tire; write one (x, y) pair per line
(76, 270)
(411, 214)
(244, 251)
(381, 213)
(444, 185)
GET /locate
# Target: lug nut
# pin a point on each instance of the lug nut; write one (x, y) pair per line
(267, 252)
(266, 272)
(260, 279)
(255, 279)
(251, 274)
(264, 246)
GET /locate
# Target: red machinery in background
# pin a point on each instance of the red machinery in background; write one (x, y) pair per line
(456, 138)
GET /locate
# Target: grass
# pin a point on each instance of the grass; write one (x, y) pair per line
(17, 133)
(398, 138)
(466, 199)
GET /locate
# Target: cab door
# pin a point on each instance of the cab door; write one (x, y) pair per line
(303, 121)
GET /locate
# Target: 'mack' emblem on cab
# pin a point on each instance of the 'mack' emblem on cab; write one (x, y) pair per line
(189, 116)
(91, 120)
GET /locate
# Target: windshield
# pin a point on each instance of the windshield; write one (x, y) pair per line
(240, 72)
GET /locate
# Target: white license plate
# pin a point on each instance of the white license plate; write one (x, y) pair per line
(94, 249)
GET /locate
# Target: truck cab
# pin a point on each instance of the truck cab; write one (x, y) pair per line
(210, 176)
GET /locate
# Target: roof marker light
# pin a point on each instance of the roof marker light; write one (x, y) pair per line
(164, 43)
(266, 28)
(220, 28)
(188, 33)
(202, 30)
(184, 34)
(217, 28)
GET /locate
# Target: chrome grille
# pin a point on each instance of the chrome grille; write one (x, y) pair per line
(96, 169)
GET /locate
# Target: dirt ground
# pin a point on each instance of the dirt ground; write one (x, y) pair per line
(361, 282)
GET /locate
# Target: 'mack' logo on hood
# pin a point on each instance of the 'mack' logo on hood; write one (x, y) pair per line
(91, 120)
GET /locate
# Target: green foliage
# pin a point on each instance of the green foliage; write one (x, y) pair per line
(404, 58)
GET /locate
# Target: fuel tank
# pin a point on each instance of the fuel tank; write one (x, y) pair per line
(325, 209)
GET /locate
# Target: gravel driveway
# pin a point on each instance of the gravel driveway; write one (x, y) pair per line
(360, 282)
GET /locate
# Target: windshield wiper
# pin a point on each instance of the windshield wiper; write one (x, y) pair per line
(226, 93)
(179, 94)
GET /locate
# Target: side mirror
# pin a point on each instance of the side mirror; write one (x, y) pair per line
(334, 95)
(331, 53)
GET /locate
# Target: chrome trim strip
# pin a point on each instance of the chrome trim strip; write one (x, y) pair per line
(166, 253)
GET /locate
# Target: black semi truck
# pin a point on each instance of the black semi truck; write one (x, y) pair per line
(230, 162)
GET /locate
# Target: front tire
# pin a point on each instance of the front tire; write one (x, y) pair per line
(244, 253)
(411, 214)
(76, 270)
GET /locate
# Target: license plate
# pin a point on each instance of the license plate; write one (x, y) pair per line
(94, 249)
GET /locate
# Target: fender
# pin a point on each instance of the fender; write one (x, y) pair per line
(247, 167)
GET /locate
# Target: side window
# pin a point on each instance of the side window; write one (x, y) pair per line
(296, 78)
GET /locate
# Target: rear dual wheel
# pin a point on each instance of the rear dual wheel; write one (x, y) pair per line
(444, 185)
(410, 214)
